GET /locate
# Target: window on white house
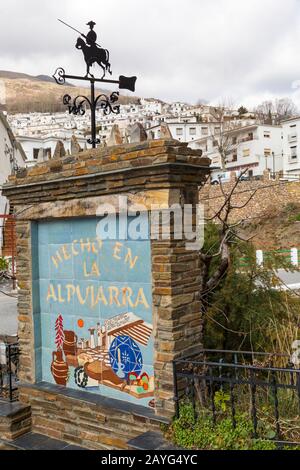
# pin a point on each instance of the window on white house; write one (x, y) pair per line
(192, 130)
(246, 153)
(267, 135)
(179, 131)
(293, 137)
(204, 130)
(35, 153)
(294, 153)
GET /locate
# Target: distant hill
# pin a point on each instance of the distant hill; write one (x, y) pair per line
(47, 78)
(14, 75)
(27, 93)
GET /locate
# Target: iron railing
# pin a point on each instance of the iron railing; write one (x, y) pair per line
(264, 386)
(8, 242)
(9, 366)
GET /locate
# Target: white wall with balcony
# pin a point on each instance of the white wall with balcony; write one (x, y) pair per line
(291, 147)
(256, 147)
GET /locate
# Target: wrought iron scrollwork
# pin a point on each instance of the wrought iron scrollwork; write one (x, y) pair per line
(59, 76)
(95, 141)
(76, 107)
(106, 103)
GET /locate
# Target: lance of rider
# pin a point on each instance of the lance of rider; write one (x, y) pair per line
(74, 29)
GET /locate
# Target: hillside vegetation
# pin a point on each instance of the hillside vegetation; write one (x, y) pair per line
(22, 93)
(276, 230)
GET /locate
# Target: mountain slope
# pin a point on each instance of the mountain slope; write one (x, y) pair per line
(22, 93)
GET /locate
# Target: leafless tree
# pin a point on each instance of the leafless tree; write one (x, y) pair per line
(285, 108)
(227, 235)
(273, 112)
(225, 120)
(201, 101)
(214, 273)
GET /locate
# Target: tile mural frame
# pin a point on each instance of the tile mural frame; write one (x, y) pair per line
(135, 385)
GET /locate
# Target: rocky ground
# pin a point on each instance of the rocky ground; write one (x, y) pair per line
(278, 230)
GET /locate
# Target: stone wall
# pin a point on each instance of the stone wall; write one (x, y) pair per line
(176, 300)
(95, 424)
(15, 420)
(270, 196)
(157, 172)
(128, 168)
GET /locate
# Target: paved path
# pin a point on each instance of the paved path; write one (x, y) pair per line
(8, 315)
(35, 441)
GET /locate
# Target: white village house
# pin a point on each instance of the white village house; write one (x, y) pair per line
(12, 157)
(291, 147)
(255, 147)
(41, 148)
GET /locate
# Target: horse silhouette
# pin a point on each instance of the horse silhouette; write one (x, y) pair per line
(94, 55)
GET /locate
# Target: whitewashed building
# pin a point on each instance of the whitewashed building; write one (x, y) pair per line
(12, 157)
(255, 147)
(43, 147)
(185, 129)
(151, 106)
(291, 147)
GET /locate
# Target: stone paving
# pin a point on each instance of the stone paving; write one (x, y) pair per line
(6, 447)
(35, 441)
(151, 440)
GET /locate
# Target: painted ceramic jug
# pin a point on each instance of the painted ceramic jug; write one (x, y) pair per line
(70, 343)
(59, 368)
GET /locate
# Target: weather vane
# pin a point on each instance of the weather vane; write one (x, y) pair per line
(93, 54)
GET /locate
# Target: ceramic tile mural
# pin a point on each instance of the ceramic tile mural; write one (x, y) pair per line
(92, 311)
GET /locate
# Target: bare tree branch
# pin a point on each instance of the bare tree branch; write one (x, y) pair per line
(227, 236)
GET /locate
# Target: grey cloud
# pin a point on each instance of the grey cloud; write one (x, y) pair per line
(178, 50)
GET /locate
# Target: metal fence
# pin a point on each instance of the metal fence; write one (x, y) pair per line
(288, 257)
(219, 384)
(9, 365)
(8, 244)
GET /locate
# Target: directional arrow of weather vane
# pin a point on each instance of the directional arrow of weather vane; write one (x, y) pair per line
(93, 54)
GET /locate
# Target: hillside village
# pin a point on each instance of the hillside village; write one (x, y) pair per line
(235, 141)
(250, 143)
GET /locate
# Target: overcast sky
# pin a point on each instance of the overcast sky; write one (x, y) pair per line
(179, 49)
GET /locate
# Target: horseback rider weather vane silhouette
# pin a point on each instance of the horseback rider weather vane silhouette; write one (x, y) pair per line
(91, 36)
(93, 53)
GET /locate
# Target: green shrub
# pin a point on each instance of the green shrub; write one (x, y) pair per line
(3, 264)
(294, 218)
(204, 435)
